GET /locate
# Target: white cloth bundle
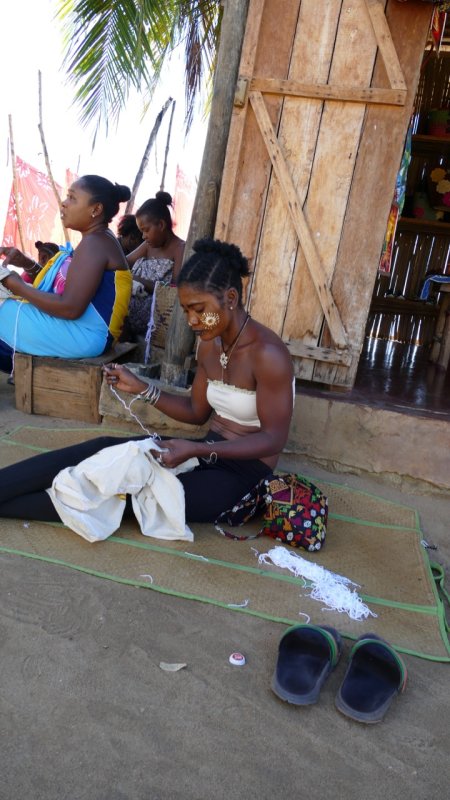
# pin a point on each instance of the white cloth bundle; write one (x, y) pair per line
(90, 497)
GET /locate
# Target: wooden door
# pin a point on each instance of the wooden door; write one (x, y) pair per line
(322, 105)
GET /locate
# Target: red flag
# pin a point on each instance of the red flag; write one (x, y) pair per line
(37, 208)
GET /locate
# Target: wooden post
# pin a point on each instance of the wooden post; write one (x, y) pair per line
(47, 160)
(145, 157)
(180, 339)
(15, 192)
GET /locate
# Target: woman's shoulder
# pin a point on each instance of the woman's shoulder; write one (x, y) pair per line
(102, 246)
(268, 348)
(265, 336)
(173, 249)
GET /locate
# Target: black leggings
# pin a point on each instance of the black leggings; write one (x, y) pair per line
(209, 488)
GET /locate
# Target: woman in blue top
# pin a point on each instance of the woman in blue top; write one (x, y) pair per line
(78, 302)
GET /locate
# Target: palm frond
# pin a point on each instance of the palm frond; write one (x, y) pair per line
(112, 46)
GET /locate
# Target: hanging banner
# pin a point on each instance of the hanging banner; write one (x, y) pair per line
(37, 209)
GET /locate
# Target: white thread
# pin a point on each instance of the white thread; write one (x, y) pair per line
(244, 604)
(308, 618)
(195, 555)
(151, 324)
(13, 355)
(132, 414)
(328, 587)
(147, 576)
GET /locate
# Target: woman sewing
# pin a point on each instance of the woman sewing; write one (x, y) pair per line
(78, 302)
(158, 258)
(243, 385)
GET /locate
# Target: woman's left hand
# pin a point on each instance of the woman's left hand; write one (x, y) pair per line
(13, 282)
(174, 452)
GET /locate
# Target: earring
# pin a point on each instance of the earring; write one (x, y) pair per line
(93, 215)
(231, 308)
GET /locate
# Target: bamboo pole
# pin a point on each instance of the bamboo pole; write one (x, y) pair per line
(166, 151)
(145, 157)
(47, 160)
(15, 188)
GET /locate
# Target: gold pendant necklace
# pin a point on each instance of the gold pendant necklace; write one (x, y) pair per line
(225, 356)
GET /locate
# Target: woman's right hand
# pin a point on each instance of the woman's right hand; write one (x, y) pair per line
(120, 377)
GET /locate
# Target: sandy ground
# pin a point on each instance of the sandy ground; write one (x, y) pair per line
(87, 714)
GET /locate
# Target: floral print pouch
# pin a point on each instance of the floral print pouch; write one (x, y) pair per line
(294, 511)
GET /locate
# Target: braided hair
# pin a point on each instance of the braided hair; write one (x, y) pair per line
(110, 195)
(214, 267)
(157, 208)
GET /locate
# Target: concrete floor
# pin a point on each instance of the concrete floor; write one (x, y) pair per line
(87, 714)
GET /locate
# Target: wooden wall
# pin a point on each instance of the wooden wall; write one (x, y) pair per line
(322, 106)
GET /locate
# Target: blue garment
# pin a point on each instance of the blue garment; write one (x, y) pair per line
(426, 288)
(27, 329)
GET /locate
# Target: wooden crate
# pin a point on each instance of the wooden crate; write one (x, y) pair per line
(65, 388)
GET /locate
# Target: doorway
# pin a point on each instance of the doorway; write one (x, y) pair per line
(402, 364)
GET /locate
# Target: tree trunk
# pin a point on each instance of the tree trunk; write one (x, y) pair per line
(145, 157)
(180, 339)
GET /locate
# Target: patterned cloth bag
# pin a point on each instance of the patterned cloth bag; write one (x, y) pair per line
(294, 511)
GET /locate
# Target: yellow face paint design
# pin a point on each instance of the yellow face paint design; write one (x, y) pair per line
(209, 319)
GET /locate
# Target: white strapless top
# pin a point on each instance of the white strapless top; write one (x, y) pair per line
(230, 402)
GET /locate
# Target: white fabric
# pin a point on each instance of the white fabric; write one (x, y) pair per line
(238, 405)
(4, 292)
(90, 497)
(233, 403)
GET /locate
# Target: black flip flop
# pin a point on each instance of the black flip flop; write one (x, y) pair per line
(306, 656)
(374, 676)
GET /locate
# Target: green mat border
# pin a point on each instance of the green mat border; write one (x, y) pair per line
(437, 582)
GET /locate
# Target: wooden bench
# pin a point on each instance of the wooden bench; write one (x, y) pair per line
(65, 388)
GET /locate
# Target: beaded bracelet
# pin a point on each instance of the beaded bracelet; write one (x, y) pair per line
(212, 458)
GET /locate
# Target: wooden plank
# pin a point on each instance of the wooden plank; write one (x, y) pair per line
(238, 120)
(385, 43)
(117, 352)
(277, 254)
(377, 165)
(331, 356)
(23, 382)
(66, 388)
(306, 241)
(444, 350)
(246, 197)
(438, 331)
(334, 158)
(393, 97)
(93, 394)
(423, 226)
